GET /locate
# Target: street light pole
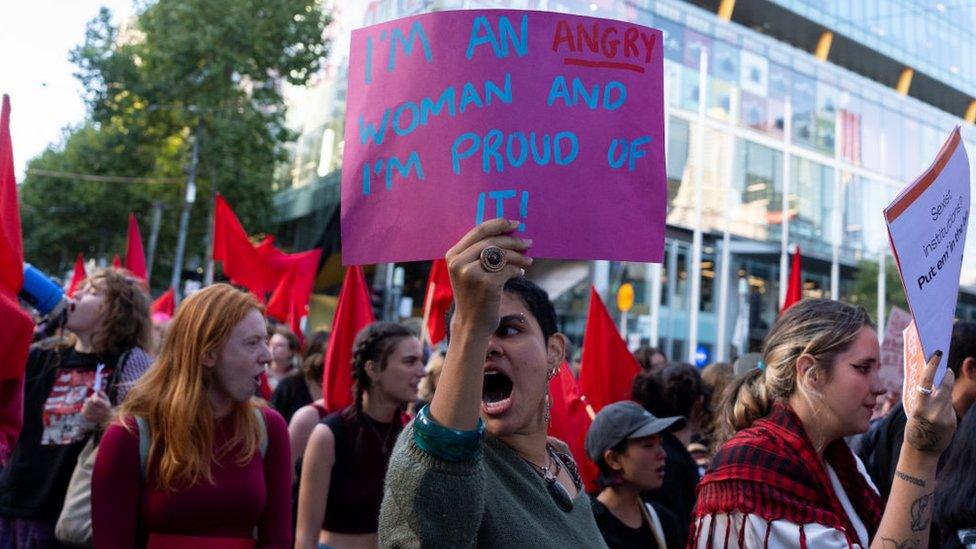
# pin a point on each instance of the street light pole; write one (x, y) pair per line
(191, 196)
(153, 237)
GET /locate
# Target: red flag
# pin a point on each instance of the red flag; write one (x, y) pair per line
(135, 258)
(15, 336)
(353, 313)
(78, 276)
(794, 291)
(569, 422)
(283, 304)
(289, 301)
(165, 304)
(607, 369)
(438, 301)
(11, 248)
(116, 262)
(280, 303)
(244, 263)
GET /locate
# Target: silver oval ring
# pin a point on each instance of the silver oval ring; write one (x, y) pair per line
(493, 259)
(924, 390)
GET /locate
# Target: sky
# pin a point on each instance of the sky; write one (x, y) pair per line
(36, 73)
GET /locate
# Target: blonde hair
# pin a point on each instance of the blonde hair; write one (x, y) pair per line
(821, 328)
(173, 395)
(434, 366)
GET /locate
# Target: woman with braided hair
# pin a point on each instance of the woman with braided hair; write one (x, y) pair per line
(786, 477)
(347, 454)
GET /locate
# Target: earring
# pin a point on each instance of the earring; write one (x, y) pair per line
(546, 415)
(552, 373)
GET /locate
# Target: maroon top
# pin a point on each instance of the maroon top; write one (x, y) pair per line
(241, 499)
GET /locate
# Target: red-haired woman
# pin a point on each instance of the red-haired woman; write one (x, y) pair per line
(194, 460)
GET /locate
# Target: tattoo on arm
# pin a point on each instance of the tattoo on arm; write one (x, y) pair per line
(921, 513)
(910, 479)
(922, 435)
(909, 543)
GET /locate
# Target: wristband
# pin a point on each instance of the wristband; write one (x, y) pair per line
(445, 443)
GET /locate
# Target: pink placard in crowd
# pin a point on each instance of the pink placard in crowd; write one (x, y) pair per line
(460, 116)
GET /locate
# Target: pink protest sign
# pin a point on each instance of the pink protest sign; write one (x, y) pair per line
(914, 367)
(461, 116)
(891, 370)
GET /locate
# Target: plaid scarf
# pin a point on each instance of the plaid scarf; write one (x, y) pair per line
(771, 470)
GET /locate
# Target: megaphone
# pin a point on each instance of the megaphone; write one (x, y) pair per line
(46, 297)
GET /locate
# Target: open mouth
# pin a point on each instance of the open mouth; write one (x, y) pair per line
(496, 392)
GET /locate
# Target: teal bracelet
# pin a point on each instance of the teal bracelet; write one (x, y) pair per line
(444, 443)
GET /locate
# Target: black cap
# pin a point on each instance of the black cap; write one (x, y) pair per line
(622, 421)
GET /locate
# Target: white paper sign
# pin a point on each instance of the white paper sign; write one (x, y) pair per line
(927, 225)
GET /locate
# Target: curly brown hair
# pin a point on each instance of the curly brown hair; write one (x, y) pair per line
(125, 313)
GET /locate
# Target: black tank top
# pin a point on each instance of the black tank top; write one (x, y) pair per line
(362, 453)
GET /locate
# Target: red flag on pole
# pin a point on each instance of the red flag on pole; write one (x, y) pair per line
(353, 313)
(15, 336)
(437, 301)
(135, 257)
(242, 262)
(280, 303)
(77, 276)
(794, 290)
(289, 301)
(607, 369)
(569, 421)
(165, 304)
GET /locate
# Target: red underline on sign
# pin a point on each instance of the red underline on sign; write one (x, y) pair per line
(603, 64)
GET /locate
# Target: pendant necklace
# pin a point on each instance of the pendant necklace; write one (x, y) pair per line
(550, 474)
(384, 441)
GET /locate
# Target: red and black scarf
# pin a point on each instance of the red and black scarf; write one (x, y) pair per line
(772, 470)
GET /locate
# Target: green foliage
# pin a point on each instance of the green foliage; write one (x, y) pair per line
(212, 69)
(865, 288)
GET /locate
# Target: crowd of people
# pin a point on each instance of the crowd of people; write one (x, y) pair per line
(217, 435)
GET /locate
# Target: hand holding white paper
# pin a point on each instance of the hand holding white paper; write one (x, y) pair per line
(927, 225)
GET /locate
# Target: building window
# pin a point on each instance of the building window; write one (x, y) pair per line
(811, 204)
(757, 200)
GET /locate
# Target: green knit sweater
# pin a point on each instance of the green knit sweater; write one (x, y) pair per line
(494, 500)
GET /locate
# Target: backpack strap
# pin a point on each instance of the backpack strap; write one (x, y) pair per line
(263, 427)
(112, 387)
(654, 521)
(143, 426)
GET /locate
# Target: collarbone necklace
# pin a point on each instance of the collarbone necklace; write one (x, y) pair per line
(383, 440)
(550, 476)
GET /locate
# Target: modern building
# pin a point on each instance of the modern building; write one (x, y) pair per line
(805, 120)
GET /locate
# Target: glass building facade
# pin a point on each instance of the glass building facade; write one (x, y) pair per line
(787, 150)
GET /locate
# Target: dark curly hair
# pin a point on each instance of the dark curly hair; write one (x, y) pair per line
(125, 313)
(956, 490)
(673, 391)
(536, 300)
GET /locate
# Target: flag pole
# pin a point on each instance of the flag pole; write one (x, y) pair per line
(428, 303)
